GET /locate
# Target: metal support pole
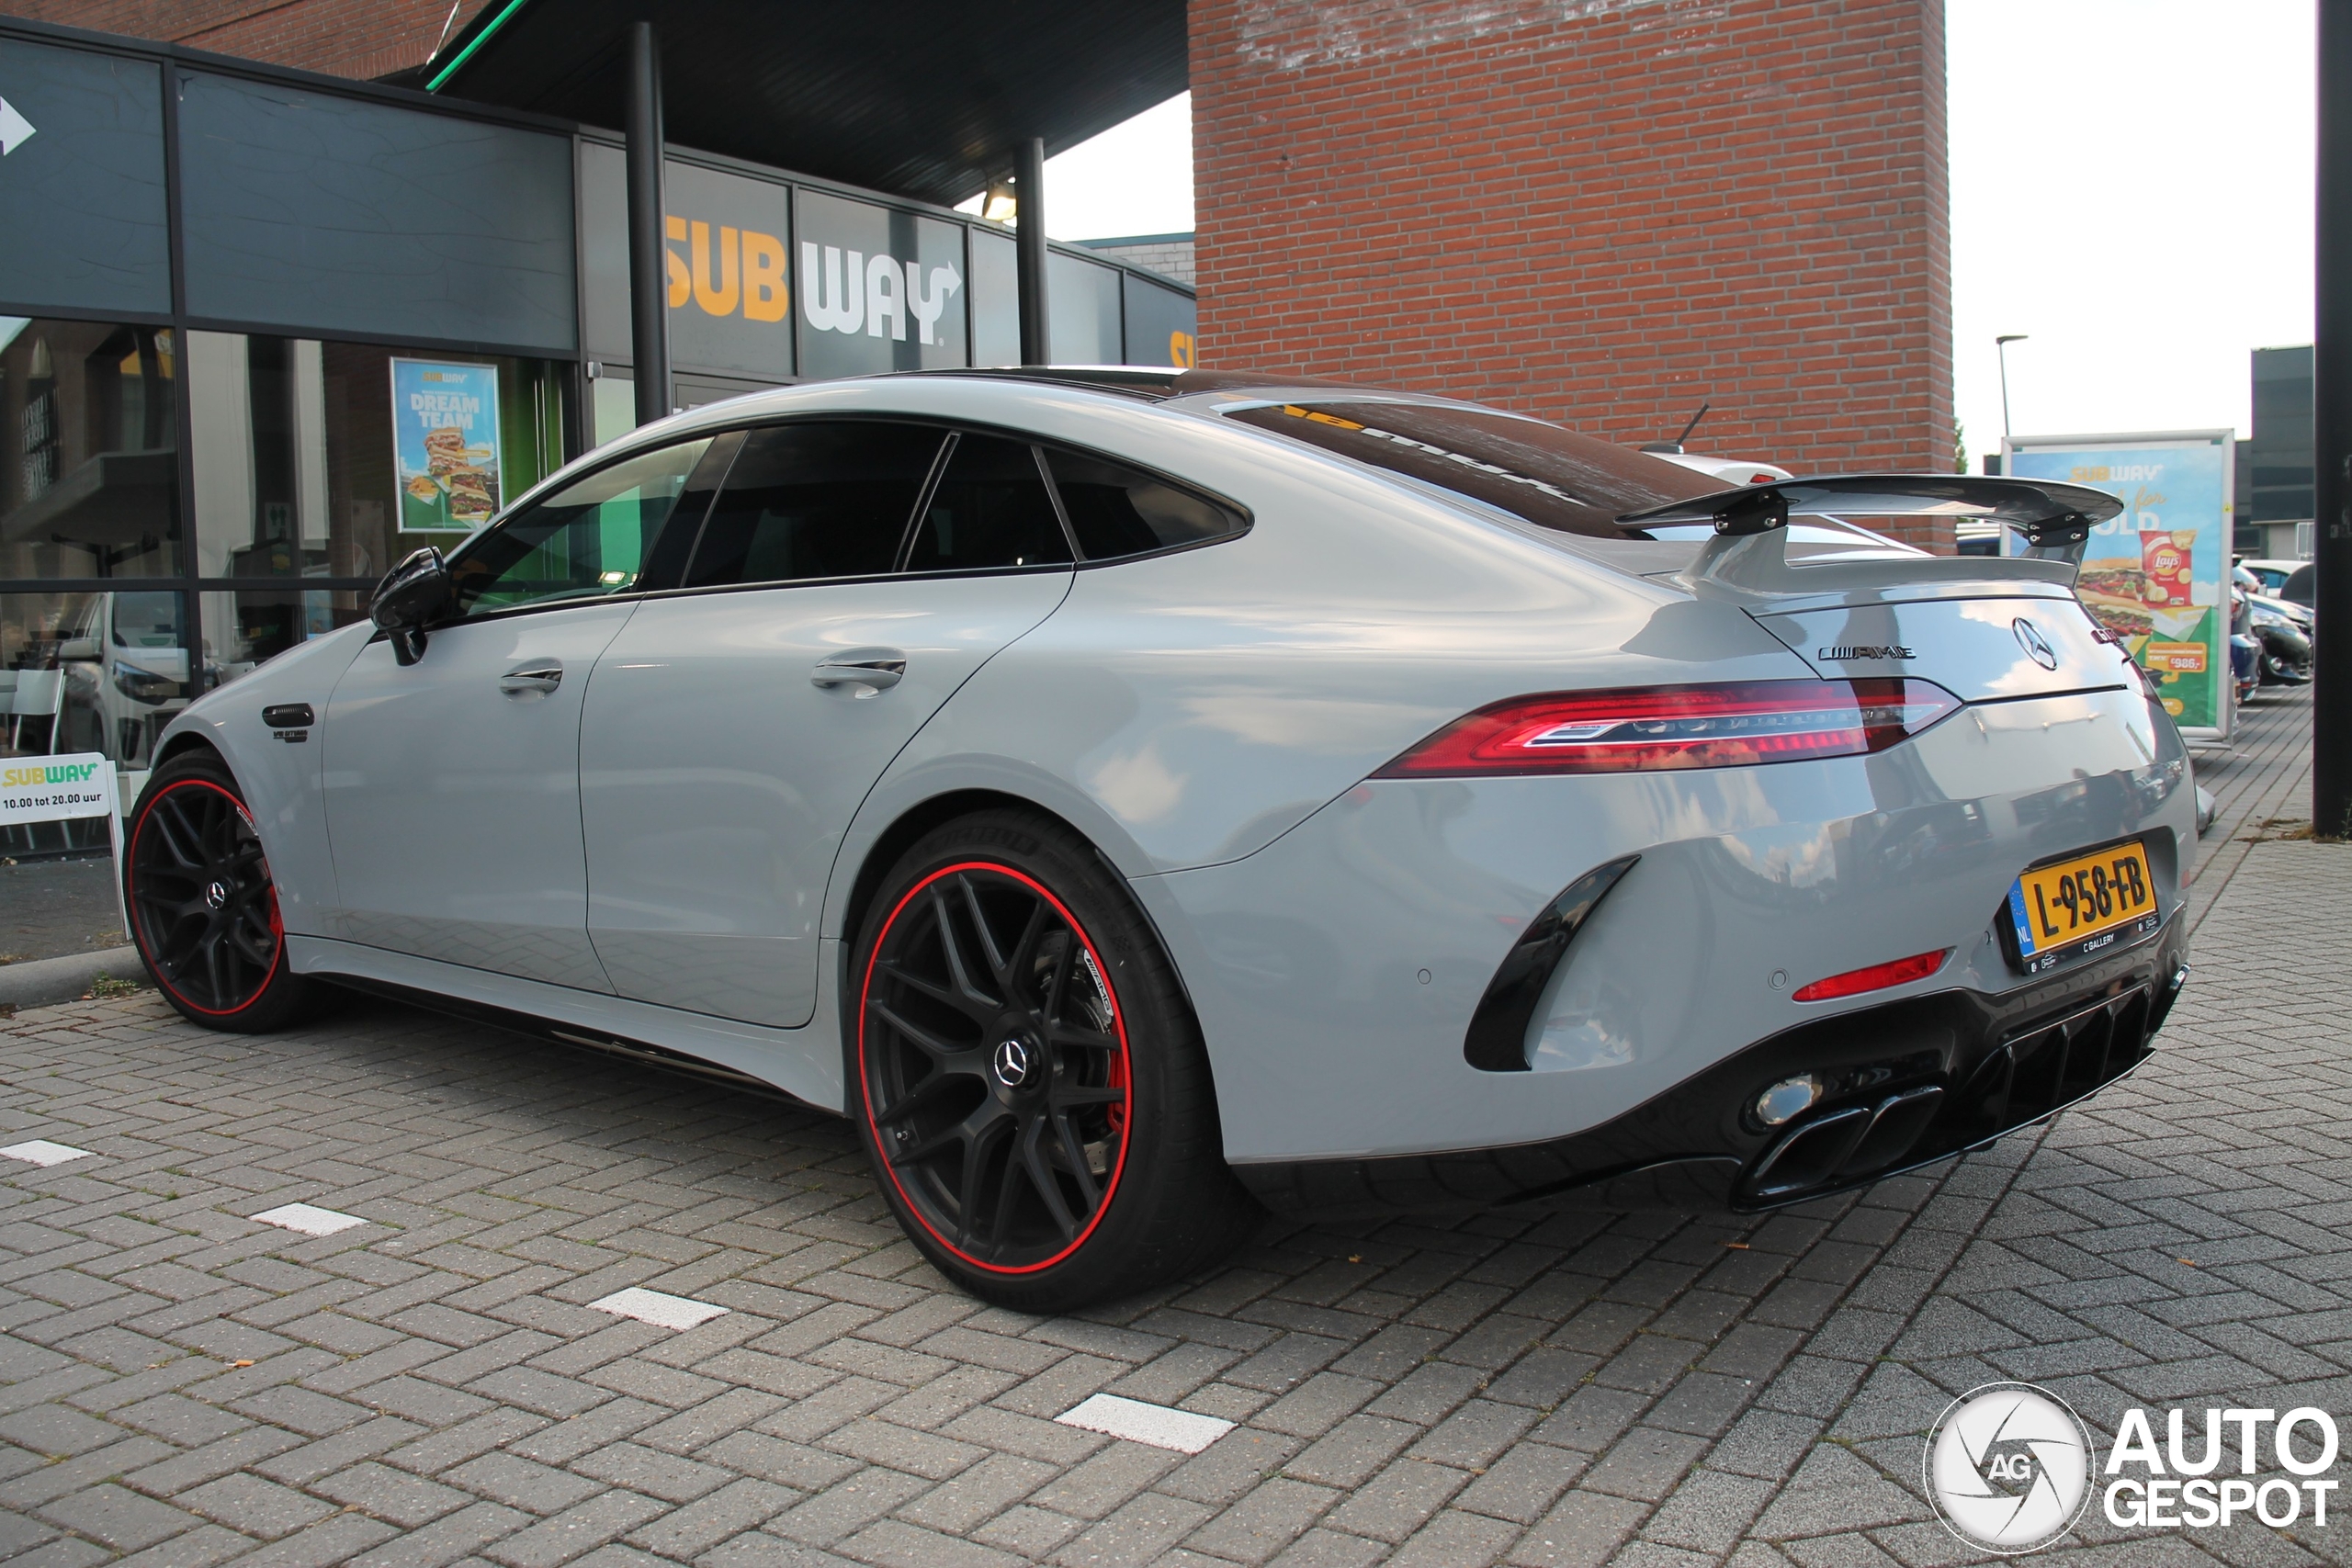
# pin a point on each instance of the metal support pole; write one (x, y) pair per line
(649, 286)
(2332, 432)
(1029, 191)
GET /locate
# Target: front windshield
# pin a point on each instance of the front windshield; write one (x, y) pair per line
(147, 620)
(1551, 477)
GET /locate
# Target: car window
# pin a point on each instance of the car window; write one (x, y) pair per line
(990, 508)
(1118, 511)
(589, 539)
(816, 497)
(1551, 477)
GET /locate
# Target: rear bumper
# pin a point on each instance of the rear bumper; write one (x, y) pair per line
(1337, 972)
(1921, 1079)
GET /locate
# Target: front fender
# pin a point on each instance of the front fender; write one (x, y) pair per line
(282, 780)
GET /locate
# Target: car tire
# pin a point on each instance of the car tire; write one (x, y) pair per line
(1027, 1076)
(203, 908)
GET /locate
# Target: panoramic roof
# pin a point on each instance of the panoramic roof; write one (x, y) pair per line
(922, 99)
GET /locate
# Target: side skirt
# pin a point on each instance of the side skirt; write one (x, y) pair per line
(805, 1063)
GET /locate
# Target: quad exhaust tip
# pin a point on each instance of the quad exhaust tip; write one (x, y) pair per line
(2034, 1073)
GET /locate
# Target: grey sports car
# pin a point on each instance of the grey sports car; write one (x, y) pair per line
(1139, 799)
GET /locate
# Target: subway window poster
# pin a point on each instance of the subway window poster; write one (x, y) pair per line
(444, 443)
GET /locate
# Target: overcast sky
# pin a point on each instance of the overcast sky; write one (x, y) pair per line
(2131, 187)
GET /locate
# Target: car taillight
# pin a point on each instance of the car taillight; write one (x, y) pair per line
(1877, 977)
(1653, 727)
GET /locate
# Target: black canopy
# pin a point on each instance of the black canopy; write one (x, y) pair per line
(922, 99)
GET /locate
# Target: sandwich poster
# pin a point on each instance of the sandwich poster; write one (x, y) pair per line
(444, 443)
(2153, 573)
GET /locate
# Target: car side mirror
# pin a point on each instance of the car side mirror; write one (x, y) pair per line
(77, 649)
(412, 595)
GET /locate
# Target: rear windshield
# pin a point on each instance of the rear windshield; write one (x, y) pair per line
(1549, 475)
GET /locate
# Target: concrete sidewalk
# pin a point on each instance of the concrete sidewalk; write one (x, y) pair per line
(180, 1383)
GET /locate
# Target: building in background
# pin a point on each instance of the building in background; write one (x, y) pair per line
(1170, 255)
(361, 39)
(1602, 214)
(263, 331)
(2274, 464)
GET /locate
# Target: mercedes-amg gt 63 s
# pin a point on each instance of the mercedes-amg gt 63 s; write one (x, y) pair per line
(1137, 800)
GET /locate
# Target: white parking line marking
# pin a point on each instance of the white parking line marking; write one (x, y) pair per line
(40, 1151)
(1141, 1423)
(654, 1307)
(309, 1219)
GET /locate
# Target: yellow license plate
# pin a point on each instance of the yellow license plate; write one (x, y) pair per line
(2080, 905)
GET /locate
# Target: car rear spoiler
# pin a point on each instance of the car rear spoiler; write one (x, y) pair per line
(1749, 549)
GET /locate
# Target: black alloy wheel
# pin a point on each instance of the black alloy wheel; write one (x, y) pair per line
(203, 908)
(996, 1067)
(1028, 1078)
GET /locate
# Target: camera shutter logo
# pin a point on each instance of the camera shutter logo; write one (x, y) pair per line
(2007, 1467)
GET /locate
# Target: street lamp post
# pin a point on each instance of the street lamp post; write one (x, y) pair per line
(2001, 347)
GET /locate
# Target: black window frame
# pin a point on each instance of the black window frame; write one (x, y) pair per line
(948, 429)
(743, 434)
(1234, 509)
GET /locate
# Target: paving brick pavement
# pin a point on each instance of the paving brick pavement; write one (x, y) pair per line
(180, 1384)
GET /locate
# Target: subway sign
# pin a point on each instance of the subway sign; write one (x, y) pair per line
(769, 280)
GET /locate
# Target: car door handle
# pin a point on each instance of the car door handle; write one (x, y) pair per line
(877, 670)
(539, 676)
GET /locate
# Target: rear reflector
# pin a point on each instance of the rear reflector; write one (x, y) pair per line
(1647, 729)
(1877, 977)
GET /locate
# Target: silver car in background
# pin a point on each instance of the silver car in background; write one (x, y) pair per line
(1137, 800)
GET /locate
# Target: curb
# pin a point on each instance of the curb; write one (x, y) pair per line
(44, 981)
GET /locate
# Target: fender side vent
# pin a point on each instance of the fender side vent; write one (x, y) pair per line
(1496, 1039)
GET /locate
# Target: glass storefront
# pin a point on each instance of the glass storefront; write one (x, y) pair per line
(91, 485)
(243, 375)
(298, 470)
(243, 626)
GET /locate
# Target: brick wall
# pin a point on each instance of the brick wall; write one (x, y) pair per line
(359, 38)
(1600, 212)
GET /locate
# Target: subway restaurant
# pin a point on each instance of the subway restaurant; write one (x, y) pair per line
(263, 332)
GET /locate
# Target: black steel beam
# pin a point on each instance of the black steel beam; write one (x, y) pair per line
(2332, 432)
(649, 286)
(1029, 194)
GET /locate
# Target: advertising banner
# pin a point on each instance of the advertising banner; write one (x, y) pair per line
(880, 289)
(55, 789)
(61, 789)
(444, 443)
(2155, 573)
(729, 265)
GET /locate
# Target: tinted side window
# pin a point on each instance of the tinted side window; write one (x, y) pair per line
(1118, 511)
(815, 499)
(991, 509)
(588, 539)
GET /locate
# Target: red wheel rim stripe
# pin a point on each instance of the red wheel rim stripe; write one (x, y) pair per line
(1119, 1067)
(138, 921)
